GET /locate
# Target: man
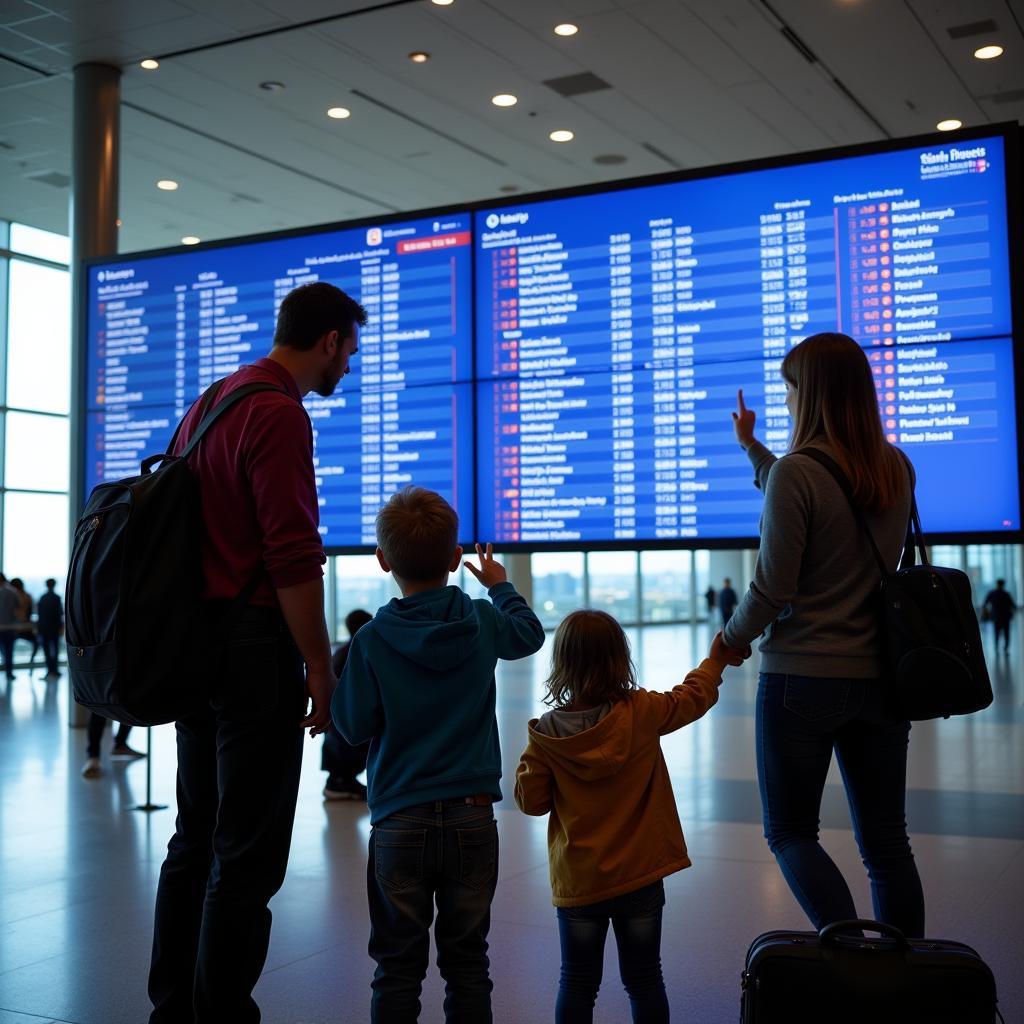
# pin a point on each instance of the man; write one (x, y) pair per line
(1000, 606)
(340, 759)
(10, 606)
(239, 759)
(49, 626)
(727, 601)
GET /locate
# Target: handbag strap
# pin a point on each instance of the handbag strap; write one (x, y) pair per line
(915, 535)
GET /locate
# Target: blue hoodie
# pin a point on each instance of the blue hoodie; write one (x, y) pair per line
(419, 684)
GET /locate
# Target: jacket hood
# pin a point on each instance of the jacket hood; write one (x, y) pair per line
(436, 629)
(595, 753)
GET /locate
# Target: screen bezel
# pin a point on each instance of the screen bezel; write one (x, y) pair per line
(1010, 133)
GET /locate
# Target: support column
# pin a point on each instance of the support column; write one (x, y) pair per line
(92, 218)
(520, 575)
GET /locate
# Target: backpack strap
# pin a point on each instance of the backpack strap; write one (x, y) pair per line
(209, 417)
(208, 397)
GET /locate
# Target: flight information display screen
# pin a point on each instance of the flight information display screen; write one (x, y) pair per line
(162, 328)
(614, 329)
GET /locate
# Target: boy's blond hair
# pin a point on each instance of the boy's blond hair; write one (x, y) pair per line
(418, 531)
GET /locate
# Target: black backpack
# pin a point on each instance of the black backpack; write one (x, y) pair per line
(932, 640)
(136, 642)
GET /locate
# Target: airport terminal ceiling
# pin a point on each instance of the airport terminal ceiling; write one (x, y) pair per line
(645, 86)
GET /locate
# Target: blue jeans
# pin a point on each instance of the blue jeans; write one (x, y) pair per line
(636, 919)
(800, 721)
(446, 851)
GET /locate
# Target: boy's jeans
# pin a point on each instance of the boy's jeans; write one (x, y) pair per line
(447, 851)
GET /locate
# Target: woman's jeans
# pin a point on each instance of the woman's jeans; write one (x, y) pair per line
(800, 721)
(636, 919)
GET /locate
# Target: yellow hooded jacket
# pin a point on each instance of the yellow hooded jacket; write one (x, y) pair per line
(613, 825)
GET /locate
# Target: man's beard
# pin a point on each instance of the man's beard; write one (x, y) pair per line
(330, 380)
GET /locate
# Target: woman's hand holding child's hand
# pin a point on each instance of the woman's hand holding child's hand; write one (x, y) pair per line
(726, 655)
(490, 571)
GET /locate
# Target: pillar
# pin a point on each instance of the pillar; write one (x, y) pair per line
(92, 218)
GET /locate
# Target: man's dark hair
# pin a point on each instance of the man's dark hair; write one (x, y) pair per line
(418, 531)
(1000, 584)
(356, 619)
(308, 312)
(51, 583)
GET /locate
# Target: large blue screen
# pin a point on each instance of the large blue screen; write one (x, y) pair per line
(613, 330)
(162, 328)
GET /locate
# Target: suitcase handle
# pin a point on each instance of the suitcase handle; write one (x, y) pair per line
(831, 932)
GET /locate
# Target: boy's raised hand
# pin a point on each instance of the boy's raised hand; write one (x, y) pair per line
(490, 571)
(727, 655)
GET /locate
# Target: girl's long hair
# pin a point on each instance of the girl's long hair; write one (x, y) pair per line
(836, 402)
(590, 662)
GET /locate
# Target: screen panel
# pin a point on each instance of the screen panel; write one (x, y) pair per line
(614, 329)
(161, 328)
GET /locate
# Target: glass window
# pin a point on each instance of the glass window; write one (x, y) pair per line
(361, 584)
(37, 452)
(39, 338)
(557, 585)
(46, 245)
(666, 585)
(613, 583)
(702, 570)
(36, 538)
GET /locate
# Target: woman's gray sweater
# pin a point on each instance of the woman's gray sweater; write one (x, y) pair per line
(815, 588)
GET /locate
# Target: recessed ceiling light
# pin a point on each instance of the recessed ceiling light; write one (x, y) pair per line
(339, 113)
(949, 125)
(272, 86)
(190, 240)
(988, 52)
(443, 3)
(419, 57)
(167, 185)
(504, 99)
(566, 29)
(562, 135)
(151, 65)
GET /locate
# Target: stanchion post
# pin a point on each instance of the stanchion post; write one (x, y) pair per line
(149, 805)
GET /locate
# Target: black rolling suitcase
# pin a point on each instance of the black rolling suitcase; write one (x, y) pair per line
(841, 977)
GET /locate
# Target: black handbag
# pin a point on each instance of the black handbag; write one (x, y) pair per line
(930, 634)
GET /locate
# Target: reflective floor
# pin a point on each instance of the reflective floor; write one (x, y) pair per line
(78, 867)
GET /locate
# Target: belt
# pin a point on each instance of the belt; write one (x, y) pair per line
(476, 800)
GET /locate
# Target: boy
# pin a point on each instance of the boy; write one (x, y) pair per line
(419, 684)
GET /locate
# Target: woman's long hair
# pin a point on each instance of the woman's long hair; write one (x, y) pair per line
(836, 402)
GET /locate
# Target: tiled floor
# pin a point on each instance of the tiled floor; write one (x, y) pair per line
(78, 867)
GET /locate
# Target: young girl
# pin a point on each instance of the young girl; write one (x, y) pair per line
(594, 763)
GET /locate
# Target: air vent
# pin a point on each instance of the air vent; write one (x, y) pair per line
(1010, 96)
(54, 178)
(609, 159)
(577, 85)
(662, 155)
(805, 51)
(972, 28)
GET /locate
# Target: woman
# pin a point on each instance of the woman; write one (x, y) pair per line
(815, 594)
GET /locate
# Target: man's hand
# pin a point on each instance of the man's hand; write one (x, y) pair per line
(490, 571)
(319, 688)
(743, 422)
(726, 655)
